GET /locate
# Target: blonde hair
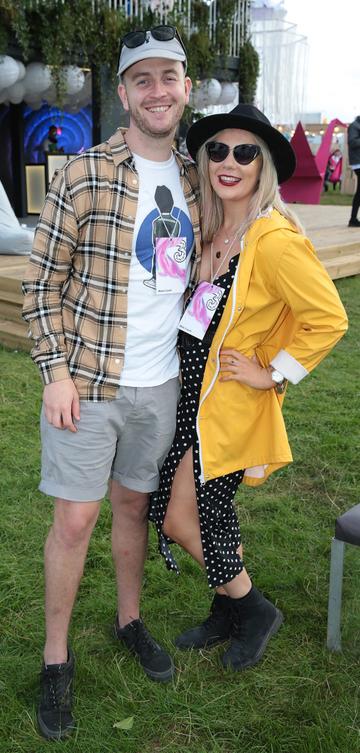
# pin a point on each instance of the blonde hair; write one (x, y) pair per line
(266, 195)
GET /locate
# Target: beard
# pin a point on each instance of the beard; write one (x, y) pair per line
(152, 131)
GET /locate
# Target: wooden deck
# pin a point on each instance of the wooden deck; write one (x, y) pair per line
(338, 247)
(13, 329)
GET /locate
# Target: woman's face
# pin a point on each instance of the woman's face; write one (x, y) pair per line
(231, 181)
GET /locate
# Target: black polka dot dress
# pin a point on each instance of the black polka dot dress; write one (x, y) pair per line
(219, 528)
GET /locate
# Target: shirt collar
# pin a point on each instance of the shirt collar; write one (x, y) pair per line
(121, 152)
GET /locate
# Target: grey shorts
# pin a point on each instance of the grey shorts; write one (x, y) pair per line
(126, 439)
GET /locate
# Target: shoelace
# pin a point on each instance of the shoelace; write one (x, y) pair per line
(58, 690)
(144, 639)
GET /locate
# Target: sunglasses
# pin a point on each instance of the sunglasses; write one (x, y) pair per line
(243, 153)
(162, 33)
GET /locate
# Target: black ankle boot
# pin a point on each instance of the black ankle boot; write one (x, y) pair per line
(255, 620)
(215, 629)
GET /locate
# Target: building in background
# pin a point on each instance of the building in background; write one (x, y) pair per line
(283, 56)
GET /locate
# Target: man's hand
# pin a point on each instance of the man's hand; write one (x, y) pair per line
(235, 366)
(62, 404)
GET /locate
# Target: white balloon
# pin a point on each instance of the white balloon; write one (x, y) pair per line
(50, 95)
(199, 99)
(9, 71)
(228, 93)
(211, 89)
(16, 92)
(85, 96)
(34, 102)
(4, 96)
(37, 78)
(32, 97)
(74, 79)
(73, 108)
(87, 88)
(85, 102)
(22, 70)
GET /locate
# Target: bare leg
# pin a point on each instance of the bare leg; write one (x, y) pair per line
(129, 545)
(181, 521)
(65, 552)
(182, 524)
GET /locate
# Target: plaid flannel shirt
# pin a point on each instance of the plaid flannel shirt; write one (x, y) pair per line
(76, 281)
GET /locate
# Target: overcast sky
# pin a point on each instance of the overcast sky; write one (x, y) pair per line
(333, 33)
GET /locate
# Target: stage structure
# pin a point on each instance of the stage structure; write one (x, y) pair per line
(283, 56)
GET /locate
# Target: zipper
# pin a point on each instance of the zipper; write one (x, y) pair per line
(202, 477)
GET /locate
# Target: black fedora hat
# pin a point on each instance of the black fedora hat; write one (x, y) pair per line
(248, 118)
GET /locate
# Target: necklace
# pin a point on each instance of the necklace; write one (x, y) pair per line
(232, 241)
(226, 241)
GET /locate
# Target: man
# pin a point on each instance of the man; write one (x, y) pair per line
(354, 162)
(50, 143)
(105, 343)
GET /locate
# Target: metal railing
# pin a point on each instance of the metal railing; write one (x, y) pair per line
(183, 8)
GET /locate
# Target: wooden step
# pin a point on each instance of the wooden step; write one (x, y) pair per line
(14, 335)
(10, 284)
(9, 310)
(343, 266)
(10, 296)
(8, 261)
(339, 249)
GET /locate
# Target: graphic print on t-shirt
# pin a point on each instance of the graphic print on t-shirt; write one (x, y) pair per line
(166, 221)
(154, 311)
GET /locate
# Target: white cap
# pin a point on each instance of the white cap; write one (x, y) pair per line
(151, 48)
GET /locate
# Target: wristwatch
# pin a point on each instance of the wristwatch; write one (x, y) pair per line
(280, 381)
(277, 377)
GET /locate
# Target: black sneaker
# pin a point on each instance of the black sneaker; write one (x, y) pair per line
(154, 660)
(215, 629)
(354, 223)
(54, 716)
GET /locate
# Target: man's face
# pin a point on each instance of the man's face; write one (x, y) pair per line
(155, 93)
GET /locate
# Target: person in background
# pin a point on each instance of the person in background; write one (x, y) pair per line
(354, 162)
(50, 144)
(105, 343)
(264, 313)
(333, 170)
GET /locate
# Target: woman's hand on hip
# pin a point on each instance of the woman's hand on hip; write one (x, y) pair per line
(234, 366)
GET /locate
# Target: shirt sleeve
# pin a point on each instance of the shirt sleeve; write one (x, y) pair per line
(304, 285)
(47, 272)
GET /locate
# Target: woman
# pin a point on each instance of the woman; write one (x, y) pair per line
(333, 170)
(275, 315)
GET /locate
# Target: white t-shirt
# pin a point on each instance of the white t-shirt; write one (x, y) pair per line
(152, 327)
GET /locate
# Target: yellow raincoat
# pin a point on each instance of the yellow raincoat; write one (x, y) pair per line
(282, 299)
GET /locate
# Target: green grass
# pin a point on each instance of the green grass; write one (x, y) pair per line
(300, 698)
(336, 198)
